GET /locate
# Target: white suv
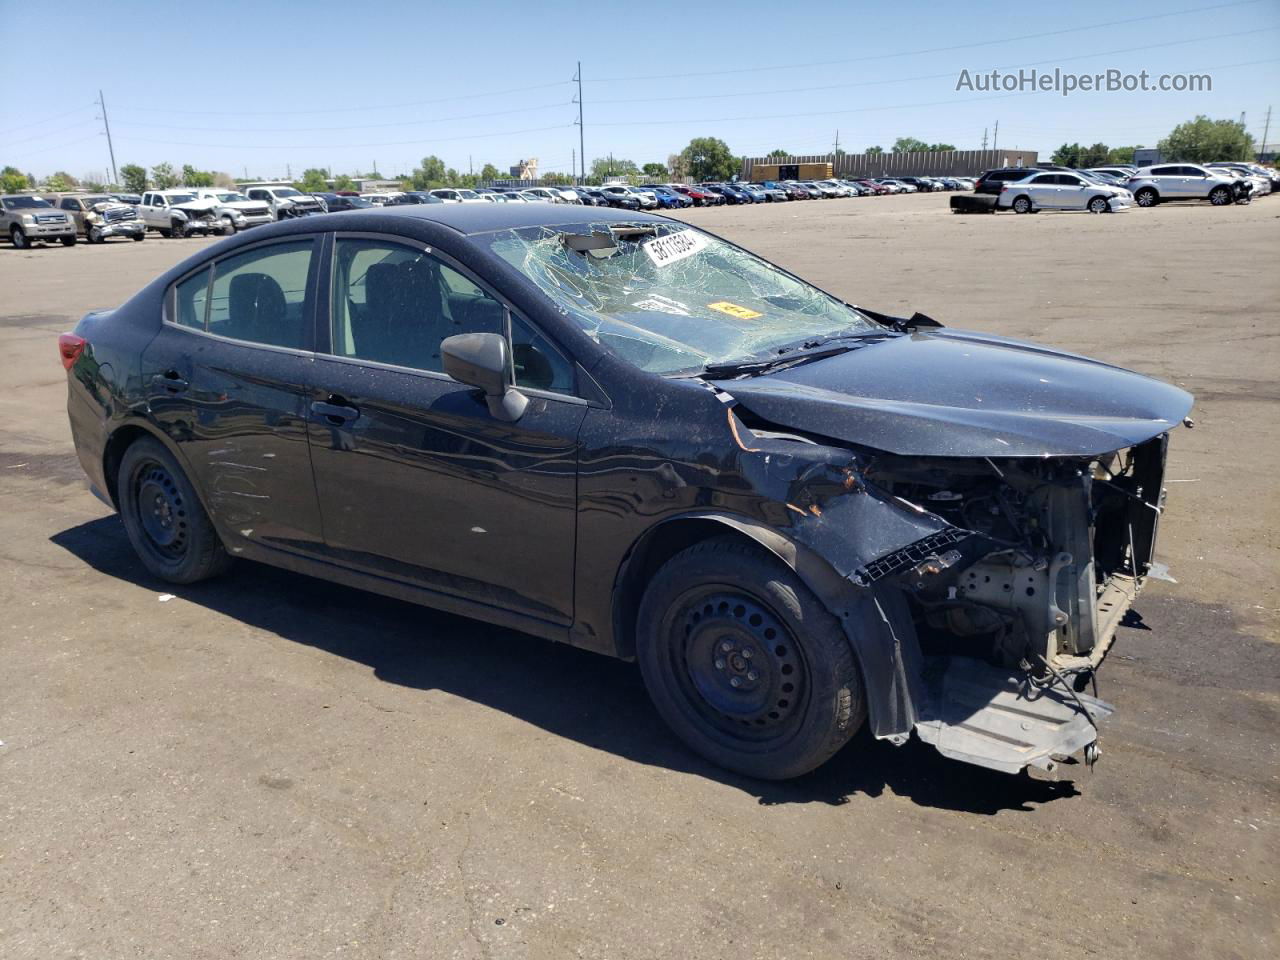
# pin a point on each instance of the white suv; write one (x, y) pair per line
(285, 202)
(1182, 181)
(234, 209)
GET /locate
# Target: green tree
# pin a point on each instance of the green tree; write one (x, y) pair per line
(93, 186)
(313, 181)
(778, 154)
(909, 145)
(1122, 154)
(1095, 155)
(163, 177)
(428, 174)
(490, 173)
(12, 180)
(875, 151)
(557, 179)
(451, 178)
(1203, 140)
(343, 182)
(1068, 155)
(191, 177)
(612, 167)
(709, 158)
(59, 182)
(133, 177)
(656, 170)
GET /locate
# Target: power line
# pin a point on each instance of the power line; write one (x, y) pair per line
(41, 122)
(328, 146)
(912, 53)
(365, 108)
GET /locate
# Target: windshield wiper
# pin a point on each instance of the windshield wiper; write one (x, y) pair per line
(814, 349)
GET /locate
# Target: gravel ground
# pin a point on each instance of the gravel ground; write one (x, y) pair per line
(270, 766)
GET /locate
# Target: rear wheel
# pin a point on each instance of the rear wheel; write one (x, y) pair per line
(1146, 197)
(164, 519)
(1022, 205)
(744, 664)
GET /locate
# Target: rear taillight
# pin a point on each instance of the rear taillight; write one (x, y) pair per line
(69, 348)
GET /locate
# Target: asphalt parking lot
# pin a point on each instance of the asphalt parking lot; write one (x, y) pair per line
(270, 766)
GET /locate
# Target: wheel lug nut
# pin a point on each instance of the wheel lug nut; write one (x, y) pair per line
(752, 675)
(719, 664)
(735, 681)
(726, 646)
(746, 653)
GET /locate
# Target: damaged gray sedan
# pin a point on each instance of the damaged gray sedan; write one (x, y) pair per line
(609, 429)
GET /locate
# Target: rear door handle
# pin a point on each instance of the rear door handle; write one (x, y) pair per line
(170, 380)
(336, 413)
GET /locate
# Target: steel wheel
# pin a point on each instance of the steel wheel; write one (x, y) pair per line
(161, 511)
(739, 667)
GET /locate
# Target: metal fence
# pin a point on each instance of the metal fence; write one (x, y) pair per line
(942, 163)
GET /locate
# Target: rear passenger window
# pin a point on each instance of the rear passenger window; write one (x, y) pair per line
(395, 304)
(260, 295)
(191, 298)
(1164, 172)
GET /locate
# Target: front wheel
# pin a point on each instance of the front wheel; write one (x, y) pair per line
(745, 664)
(178, 230)
(95, 235)
(69, 241)
(167, 525)
(228, 226)
(140, 236)
(1098, 205)
(19, 238)
(1220, 196)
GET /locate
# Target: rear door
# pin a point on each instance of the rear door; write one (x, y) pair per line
(417, 480)
(1042, 189)
(226, 380)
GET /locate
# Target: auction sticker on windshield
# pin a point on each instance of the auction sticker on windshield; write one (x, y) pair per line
(734, 310)
(673, 247)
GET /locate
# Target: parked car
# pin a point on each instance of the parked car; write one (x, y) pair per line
(379, 198)
(1182, 181)
(763, 495)
(701, 196)
(756, 194)
(235, 210)
(25, 219)
(668, 199)
(877, 188)
(414, 196)
(337, 202)
(1119, 173)
(730, 192)
(177, 213)
(98, 216)
(1062, 191)
(456, 195)
(992, 180)
(922, 184)
(772, 193)
(1259, 178)
(285, 202)
(621, 197)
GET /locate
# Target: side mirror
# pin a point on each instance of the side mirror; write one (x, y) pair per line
(480, 360)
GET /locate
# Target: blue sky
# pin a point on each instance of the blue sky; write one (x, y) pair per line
(345, 85)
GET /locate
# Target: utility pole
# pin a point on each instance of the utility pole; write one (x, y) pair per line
(471, 167)
(984, 138)
(574, 165)
(582, 149)
(835, 151)
(995, 142)
(1266, 129)
(115, 177)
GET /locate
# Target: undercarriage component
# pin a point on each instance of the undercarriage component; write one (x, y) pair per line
(981, 714)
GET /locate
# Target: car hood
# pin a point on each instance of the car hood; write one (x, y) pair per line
(959, 394)
(197, 206)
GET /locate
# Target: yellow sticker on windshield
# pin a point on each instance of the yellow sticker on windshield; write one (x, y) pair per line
(733, 310)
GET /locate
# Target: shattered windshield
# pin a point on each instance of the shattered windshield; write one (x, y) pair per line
(669, 299)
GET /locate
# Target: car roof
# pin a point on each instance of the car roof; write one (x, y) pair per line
(473, 218)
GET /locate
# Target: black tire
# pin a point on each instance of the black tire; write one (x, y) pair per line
(228, 227)
(1022, 204)
(1099, 205)
(1220, 196)
(164, 518)
(745, 664)
(164, 232)
(1146, 197)
(178, 231)
(18, 237)
(140, 237)
(68, 241)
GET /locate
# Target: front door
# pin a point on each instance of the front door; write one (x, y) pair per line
(417, 480)
(226, 378)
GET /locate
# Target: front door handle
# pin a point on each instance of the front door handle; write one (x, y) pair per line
(335, 413)
(171, 381)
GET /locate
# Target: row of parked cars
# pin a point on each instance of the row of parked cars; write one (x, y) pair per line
(1117, 187)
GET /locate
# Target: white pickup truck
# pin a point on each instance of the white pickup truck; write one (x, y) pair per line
(178, 213)
(285, 202)
(235, 210)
